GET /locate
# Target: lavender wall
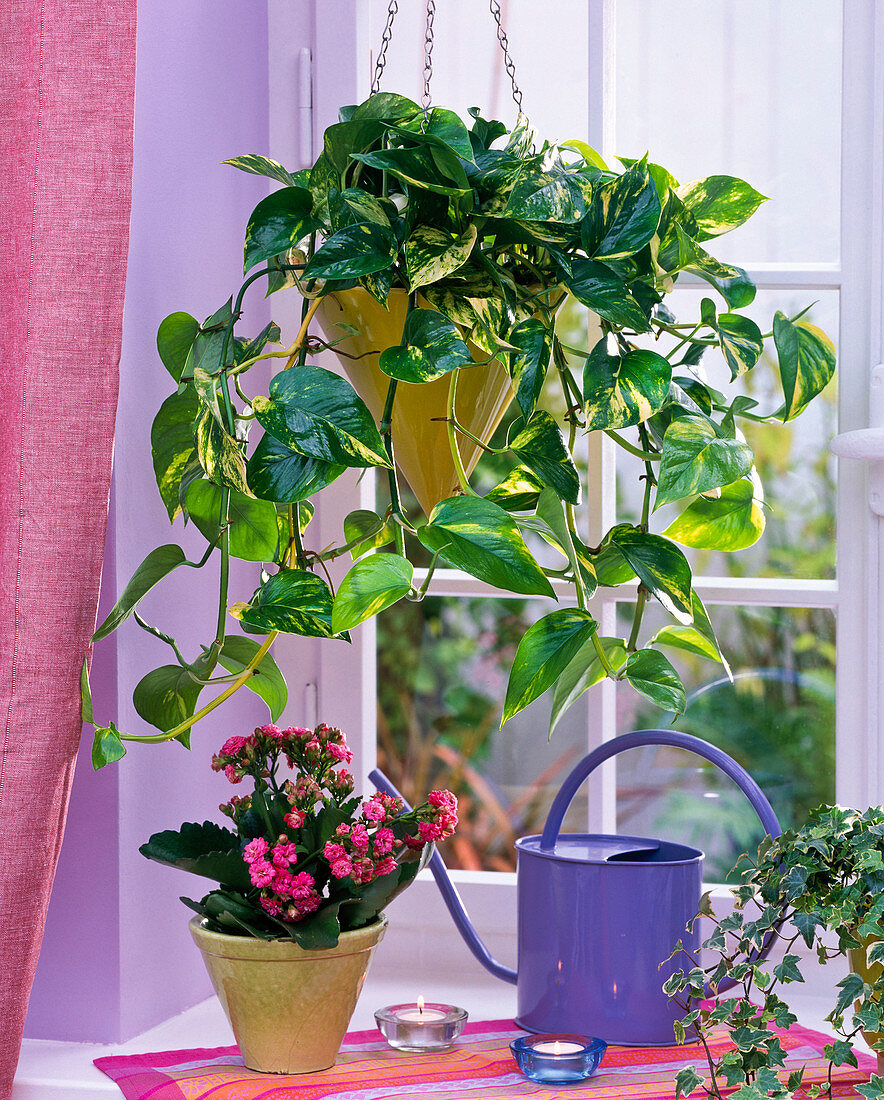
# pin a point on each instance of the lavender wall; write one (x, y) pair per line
(117, 956)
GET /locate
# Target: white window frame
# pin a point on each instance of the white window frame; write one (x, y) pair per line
(342, 37)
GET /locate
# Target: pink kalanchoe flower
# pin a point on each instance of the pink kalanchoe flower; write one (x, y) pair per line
(233, 774)
(429, 830)
(312, 745)
(339, 752)
(270, 731)
(295, 819)
(340, 868)
(255, 849)
(302, 886)
(363, 871)
(383, 842)
(262, 873)
(385, 867)
(284, 855)
(308, 905)
(299, 732)
(232, 746)
(282, 883)
(271, 905)
(359, 837)
(343, 829)
(333, 851)
(373, 810)
(443, 800)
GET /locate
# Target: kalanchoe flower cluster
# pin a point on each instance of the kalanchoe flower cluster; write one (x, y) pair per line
(292, 871)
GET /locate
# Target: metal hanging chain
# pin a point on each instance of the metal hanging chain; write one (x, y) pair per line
(392, 12)
(426, 99)
(494, 5)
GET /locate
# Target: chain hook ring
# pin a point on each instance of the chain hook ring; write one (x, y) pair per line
(494, 6)
(392, 12)
(426, 99)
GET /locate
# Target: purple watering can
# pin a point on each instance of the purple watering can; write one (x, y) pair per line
(597, 914)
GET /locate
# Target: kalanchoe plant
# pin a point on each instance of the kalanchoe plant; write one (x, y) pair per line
(486, 233)
(305, 860)
(812, 886)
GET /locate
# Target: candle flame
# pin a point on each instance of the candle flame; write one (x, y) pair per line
(420, 1005)
(557, 1047)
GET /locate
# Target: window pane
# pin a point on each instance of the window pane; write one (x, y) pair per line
(751, 88)
(777, 719)
(793, 460)
(442, 675)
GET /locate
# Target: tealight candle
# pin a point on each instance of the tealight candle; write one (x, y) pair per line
(420, 1026)
(552, 1059)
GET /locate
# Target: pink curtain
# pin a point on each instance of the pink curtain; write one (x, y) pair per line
(67, 78)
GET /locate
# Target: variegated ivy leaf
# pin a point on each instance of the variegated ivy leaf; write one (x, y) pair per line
(597, 287)
(277, 223)
(652, 675)
(732, 283)
(660, 566)
(741, 342)
(619, 391)
(549, 194)
(431, 254)
(624, 215)
(719, 204)
(432, 347)
(540, 447)
(696, 459)
(529, 364)
(264, 166)
(806, 360)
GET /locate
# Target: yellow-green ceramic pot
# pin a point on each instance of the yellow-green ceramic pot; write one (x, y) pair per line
(289, 1008)
(859, 964)
(420, 434)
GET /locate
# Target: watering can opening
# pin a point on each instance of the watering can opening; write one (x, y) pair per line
(606, 848)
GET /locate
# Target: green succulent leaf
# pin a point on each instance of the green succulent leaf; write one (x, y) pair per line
(320, 415)
(529, 364)
(277, 224)
(172, 446)
(806, 359)
(540, 447)
(107, 747)
(584, 671)
(208, 850)
(175, 338)
(432, 347)
(374, 898)
(649, 672)
(357, 249)
(481, 538)
(733, 520)
(253, 526)
(266, 680)
(598, 287)
(545, 651)
(432, 253)
(660, 566)
(372, 584)
(276, 472)
(620, 391)
(695, 459)
(293, 601)
(719, 204)
(219, 453)
(158, 564)
(624, 215)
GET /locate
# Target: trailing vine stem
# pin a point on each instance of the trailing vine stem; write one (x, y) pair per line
(462, 477)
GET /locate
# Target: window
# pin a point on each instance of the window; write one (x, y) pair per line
(754, 89)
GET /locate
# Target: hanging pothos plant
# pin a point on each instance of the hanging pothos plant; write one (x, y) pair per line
(475, 235)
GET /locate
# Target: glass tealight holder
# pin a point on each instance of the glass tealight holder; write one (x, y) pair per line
(558, 1059)
(421, 1028)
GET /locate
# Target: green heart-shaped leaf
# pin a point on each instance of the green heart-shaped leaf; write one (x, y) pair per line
(420, 167)
(167, 695)
(623, 216)
(741, 342)
(544, 652)
(482, 539)
(719, 204)
(158, 564)
(219, 453)
(355, 250)
(253, 526)
(518, 492)
(732, 283)
(550, 194)
(695, 459)
(806, 360)
(654, 677)
(107, 747)
(660, 566)
(370, 529)
(598, 287)
(319, 414)
(371, 585)
(731, 521)
(442, 127)
(432, 347)
(540, 447)
(266, 681)
(172, 446)
(175, 338)
(620, 391)
(278, 473)
(528, 365)
(293, 601)
(277, 224)
(584, 671)
(431, 253)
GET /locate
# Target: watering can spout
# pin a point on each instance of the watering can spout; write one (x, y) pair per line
(452, 899)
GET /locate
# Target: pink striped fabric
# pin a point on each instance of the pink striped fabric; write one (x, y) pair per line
(479, 1067)
(67, 75)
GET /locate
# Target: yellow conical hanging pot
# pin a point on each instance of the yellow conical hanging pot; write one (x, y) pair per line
(420, 440)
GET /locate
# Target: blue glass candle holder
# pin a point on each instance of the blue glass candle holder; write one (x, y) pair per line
(558, 1059)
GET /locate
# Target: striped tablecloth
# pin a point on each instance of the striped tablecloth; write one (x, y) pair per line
(479, 1067)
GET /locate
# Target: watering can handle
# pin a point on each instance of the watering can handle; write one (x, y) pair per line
(680, 741)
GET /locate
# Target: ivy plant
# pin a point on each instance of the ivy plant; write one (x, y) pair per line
(820, 887)
(494, 230)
